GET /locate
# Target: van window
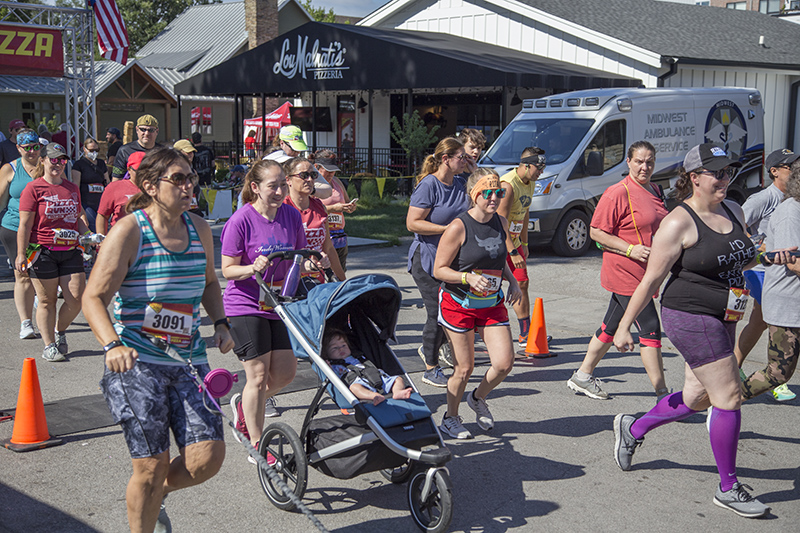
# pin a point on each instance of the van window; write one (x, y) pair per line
(556, 136)
(605, 151)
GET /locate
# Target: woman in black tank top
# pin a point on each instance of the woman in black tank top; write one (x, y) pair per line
(704, 245)
(471, 264)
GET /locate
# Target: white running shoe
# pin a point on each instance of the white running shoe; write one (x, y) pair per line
(26, 330)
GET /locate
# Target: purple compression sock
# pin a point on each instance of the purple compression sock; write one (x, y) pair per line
(670, 409)
(724, 433)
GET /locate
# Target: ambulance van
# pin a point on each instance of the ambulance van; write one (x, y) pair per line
(585, 136)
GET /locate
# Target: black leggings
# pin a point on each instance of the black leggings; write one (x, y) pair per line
(647, 322)
(432, 334)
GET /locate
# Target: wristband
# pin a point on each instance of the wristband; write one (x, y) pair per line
(222, 322)
(111, 345)
(630, 249)
(464, 278)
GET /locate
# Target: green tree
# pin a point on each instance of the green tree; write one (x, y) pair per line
(318, 13)
(413, 136)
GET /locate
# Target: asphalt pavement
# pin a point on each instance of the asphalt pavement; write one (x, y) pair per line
(546, 466)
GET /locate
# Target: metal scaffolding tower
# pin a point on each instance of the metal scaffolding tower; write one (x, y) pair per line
(77, 30)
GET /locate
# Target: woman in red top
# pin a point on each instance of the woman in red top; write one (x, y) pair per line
(301, 175)
(50, 221)
(627, 216)
(116, 195)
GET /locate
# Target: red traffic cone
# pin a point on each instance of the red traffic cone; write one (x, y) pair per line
(537, 334)
(30, 424)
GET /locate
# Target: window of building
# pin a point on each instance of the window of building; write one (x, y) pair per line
(742, 6)
(770, 6)
(36, 112)
(703, 3)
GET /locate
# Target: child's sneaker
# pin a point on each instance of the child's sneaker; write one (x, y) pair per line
(453, 426)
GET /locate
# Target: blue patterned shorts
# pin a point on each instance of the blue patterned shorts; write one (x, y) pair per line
(149, 400)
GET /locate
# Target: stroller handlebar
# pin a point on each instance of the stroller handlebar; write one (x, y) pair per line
(273, 299)
(289, 254)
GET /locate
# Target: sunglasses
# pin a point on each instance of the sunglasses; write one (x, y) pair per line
(462, 157)
(32, 147)
(58, 160)
(723, 174)
(499, 193)
(147, 130)
(305, 175)
(180, 179)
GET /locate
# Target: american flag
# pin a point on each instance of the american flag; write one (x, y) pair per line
(112, 37)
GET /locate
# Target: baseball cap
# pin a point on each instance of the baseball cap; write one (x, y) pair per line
(327, 163)
(292, 136)
(184, 146)
(54, 150)
(708, 156)
(781, 157)
(16, 123)
(115, 131)
(239, 168)
(147, 120)
(135, 159)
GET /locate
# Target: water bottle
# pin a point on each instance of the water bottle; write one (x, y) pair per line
(94, 238)
(292, 278)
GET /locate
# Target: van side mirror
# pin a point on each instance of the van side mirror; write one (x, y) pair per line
(594, 163)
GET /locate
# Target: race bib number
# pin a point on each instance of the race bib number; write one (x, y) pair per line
(65, 237)
(737, 304)
(96, 187)
(171, 322)
(335, 221)
(495, 277)
(515, 228)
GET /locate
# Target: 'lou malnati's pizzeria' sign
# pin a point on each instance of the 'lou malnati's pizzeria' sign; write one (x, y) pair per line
(30, 51)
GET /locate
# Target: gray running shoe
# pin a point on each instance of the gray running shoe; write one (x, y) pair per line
(435, 377)
(271, 408)
(590, 387)
(163, 525)
(61, 342)
(421, 354)
(482, 415)
(740, 502)
(624, 443)
(52, 354)
(453, 426)
(26, 330)
(446, 356)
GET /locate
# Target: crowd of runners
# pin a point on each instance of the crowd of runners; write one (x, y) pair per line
(468, 259)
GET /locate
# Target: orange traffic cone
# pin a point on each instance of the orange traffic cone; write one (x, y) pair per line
(537, 334)
(30, 424)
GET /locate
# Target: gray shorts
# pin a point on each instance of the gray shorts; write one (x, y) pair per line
(149, 400)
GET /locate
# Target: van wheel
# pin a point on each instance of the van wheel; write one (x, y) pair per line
(572, 235)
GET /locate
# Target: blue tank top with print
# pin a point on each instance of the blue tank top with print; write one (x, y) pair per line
(18, 182)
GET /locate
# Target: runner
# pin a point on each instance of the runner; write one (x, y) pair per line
(168, 272)
(470, 262)
(90, 174)
(519, 184)
(704, 244)
(624, 222)
(337, 204)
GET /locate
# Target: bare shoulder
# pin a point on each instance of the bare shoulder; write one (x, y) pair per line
(200, 224)
(678, 226)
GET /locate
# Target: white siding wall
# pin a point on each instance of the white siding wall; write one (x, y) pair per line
(774, 86)
(488, 23)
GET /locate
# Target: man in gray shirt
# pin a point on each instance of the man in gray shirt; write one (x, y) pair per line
(757, 212)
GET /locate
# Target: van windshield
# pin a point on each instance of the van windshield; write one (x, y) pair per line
(558, 137)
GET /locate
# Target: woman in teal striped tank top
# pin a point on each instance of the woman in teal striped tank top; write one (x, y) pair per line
(160, 262)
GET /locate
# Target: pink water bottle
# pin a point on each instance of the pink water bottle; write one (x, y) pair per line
(292, 279)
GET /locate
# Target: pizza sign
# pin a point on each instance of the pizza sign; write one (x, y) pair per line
(29, 51)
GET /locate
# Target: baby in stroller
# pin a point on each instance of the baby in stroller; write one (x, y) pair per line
(362, 377)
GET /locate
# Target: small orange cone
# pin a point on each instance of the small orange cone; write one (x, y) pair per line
(30, 424)
(537, 334)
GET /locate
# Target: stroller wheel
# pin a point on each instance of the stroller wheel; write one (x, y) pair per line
(434, 512)
(400, 474)
(288, 459)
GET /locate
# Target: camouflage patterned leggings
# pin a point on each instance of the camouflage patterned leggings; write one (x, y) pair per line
(782, 354)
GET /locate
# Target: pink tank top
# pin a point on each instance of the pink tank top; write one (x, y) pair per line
(335, 220)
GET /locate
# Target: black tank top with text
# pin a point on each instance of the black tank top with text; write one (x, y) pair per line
(483, 252)
(703, 274)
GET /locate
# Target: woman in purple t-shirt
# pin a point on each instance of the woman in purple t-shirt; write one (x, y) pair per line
(261, 226)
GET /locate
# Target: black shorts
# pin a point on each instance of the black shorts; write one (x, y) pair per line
(256, 335)
(9, 239)
(53, 264)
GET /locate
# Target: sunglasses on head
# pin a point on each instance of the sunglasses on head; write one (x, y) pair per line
(32, 147)
(179, 179)
(306, 175)
(147, 130)
(486, 193)
(58, 160)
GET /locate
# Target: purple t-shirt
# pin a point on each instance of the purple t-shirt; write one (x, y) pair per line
(247, 235)
(445, 204)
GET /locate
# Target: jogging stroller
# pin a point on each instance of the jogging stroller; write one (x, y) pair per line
(398, 438)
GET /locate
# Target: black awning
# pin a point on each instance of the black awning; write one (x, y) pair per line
(342, 57)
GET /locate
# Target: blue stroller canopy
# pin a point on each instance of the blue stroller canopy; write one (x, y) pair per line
(376, 294)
